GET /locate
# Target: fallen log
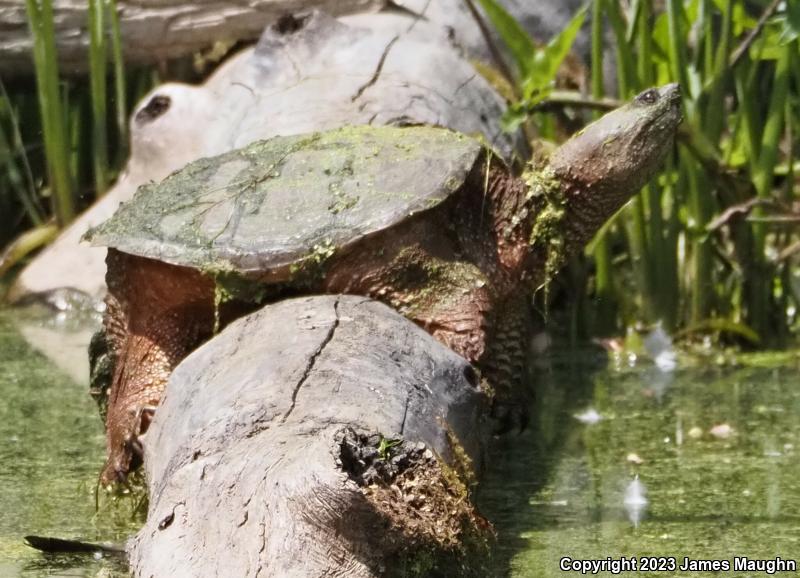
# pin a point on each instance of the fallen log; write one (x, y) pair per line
(156, 30)
(152, 30)
(319, 436)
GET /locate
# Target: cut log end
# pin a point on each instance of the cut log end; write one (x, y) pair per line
(322, 425)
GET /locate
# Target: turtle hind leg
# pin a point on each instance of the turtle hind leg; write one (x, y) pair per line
(505, 365)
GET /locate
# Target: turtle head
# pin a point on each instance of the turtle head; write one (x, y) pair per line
(594, 173)
(612, 158)
(590, 177)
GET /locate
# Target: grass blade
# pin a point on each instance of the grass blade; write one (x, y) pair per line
(40, 18)
(97, 82)
(515, 37)
(120, 97)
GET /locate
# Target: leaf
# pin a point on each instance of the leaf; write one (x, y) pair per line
(495, 78)
(545, 62)
(513, 117)
(518, 41)
(742, 21)
(770, 43)
(721, 326)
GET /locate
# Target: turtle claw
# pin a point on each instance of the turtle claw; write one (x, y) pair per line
(144, 418)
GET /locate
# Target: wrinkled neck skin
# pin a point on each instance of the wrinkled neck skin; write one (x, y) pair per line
(592, 175)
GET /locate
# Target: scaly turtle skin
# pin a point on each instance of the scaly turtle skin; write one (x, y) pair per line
(421, 218)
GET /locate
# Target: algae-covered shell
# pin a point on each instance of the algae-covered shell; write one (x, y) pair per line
(259, 210)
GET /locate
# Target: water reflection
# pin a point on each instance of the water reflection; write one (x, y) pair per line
(709, 444)
(635, 501)
(51, 447)
(589, 416)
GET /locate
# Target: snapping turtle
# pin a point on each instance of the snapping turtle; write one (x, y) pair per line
(422, 218)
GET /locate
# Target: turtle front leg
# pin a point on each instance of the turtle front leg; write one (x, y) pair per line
(455, 309)
(493, 336)
(156, 314)
(150, 353)
(459, 311)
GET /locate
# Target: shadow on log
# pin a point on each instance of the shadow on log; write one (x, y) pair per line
(319, 436)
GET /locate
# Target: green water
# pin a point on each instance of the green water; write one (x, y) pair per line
(558, 490)
(51, 449)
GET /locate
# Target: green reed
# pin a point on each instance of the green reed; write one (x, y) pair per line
(40, 18)
(700, 251)
(97, 84)
(59, 156)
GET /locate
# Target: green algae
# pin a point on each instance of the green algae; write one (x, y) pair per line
(558, 490)
(52, 448)
(267, 205)
(546, 195)
(546, 198)
(428, 283)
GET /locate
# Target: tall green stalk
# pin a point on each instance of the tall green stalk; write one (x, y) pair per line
(626, 64)
(120, 98)
(714, 114)
(12, 155)
(701, 284)
(759, 295)
(606, 310)
(40, 19)
(97, 81)
(642, 233)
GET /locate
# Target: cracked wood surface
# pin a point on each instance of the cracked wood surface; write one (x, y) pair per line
(242, 455)
(152, 30)
(156, 30)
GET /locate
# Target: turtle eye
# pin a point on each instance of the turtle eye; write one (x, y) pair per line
(156, 107)
(649, 96)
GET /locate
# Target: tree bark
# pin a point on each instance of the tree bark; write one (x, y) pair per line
(259, 460)
(156, 30)
(152, 30)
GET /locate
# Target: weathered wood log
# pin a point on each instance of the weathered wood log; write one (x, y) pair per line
(152, 30)
(265, 457)
(156, 30)
(320, 74)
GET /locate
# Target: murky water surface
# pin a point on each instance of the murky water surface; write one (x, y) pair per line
(715, 450)
(51, 450)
